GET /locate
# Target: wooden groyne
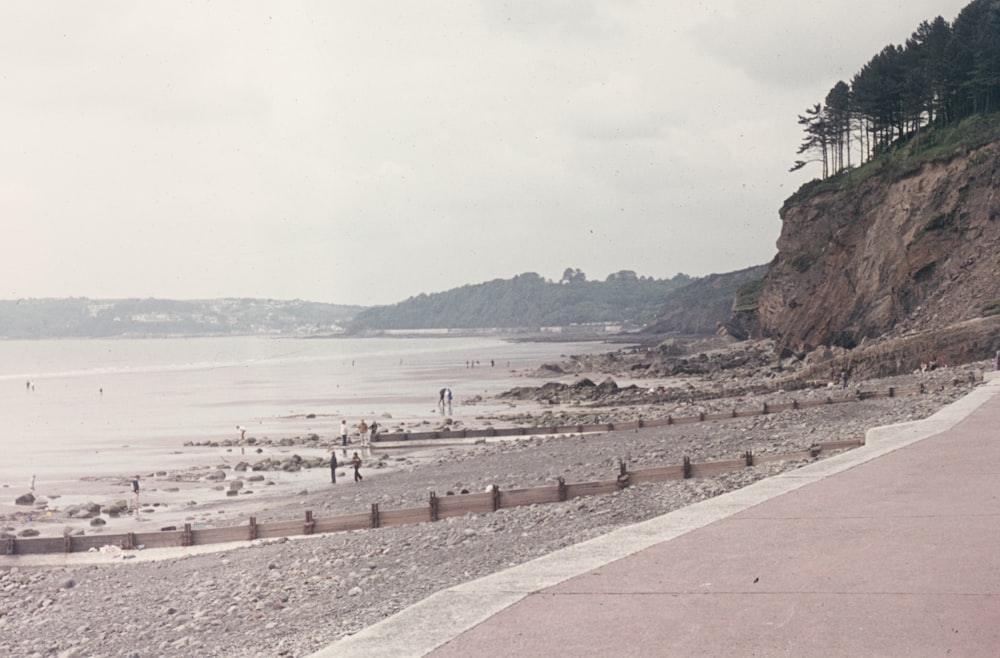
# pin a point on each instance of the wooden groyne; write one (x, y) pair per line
(438, 507)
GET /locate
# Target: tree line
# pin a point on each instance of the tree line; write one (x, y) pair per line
(942, 74)
(528, 301)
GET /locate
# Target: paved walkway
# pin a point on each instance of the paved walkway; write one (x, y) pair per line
(892, 549)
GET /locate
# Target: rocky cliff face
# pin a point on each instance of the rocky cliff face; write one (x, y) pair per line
(887, 255)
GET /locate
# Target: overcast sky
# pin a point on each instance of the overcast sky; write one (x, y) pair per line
(365, 152)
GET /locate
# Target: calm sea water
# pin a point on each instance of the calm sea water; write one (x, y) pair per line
(93, 404)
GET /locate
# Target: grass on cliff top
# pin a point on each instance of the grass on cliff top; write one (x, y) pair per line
(929, 144)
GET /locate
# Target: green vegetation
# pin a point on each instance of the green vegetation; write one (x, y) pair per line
(934, 143)
(939, 222)
(699, 306)
(528, 301)
(991, 308)
(748, 295)
(943, 75)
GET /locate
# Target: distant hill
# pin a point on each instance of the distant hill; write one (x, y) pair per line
(93, 318)
(700, 306)
(527, 302)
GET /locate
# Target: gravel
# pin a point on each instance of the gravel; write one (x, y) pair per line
(294, 597)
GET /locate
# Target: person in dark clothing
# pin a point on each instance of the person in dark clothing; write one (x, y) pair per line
(333, 466)
(356, 462)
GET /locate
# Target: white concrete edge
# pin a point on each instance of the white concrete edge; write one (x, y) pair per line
(423, 627)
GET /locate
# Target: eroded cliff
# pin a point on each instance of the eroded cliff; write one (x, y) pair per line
(887, 253)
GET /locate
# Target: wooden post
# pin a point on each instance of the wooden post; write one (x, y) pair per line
(562, 489)
(795, 404)
(748, 456)
(434, 506)
(496, 497)
(68, 543)
(310, 524)
(9, 548)
(701, 416)
(687, 468)
(187, 539)
(252, 534)
(129, 541)
(375, 519)
(892, 391)
(642, 423)
(734, 413)
(766, 409)
(622, 474)
(670, 420)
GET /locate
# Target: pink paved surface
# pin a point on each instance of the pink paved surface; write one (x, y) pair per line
(898, 556)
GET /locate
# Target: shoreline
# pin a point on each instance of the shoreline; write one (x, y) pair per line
(192, 485)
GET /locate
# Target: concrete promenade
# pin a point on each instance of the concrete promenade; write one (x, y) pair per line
(891, 549)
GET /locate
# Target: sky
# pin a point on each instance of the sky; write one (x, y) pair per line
(366, 152)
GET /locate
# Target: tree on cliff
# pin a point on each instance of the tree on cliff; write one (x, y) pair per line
(942, 74)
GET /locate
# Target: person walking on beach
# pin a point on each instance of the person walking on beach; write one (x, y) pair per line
(135, 492)
(363, 431)
(333, 465)
(243, 438)
(343, 433)
(356, 462)
(373, 429)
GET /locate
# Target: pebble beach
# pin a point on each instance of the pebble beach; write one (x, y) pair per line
(292, 597)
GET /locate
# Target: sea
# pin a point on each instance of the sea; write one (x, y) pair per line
(73, 408)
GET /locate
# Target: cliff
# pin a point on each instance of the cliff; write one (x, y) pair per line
(706, 303)
(887, 251)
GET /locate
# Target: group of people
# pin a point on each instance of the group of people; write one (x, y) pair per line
(355, 462)
(366, 432)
